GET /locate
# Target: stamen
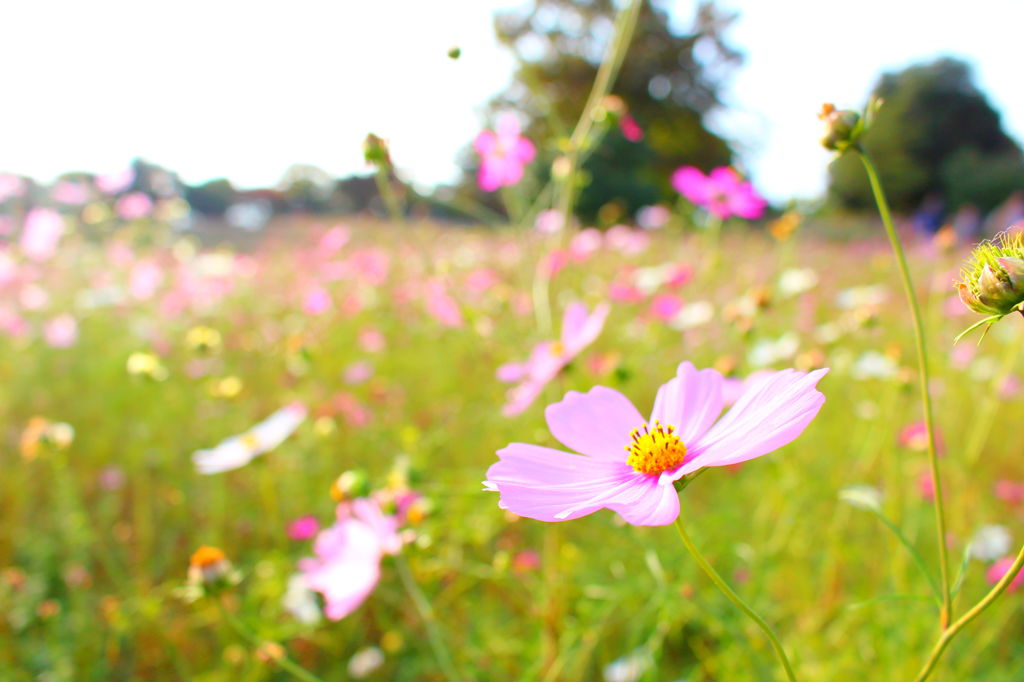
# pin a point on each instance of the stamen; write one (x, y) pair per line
(654, 451)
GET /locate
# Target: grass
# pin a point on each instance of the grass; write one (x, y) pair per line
(95, 537)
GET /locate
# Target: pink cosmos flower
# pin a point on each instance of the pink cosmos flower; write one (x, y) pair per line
(547, 359)
(552, 222)
(722, 192)
(630, 129)
(440, 304)
(666, 306)
(503, 154)
(997, 570)
(654, 217)
(303, 528)
(145, 278)
(72, 193)
(317, 301)
(115, 183)
(61, 331)
(346, 566)
(41, 233)
(914, 436)
(10, 186)
(629, 464)
(133, 206)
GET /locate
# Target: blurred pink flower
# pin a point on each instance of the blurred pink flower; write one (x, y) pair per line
(61, 331)
(441, 306)
(526, 561)
(579, 330)
(926, 486)
(134, 206)
(70, 193)
(1010, 492)
(332, 241)
(630, 129)
(722, 192)
(503, 154)
(549, 221)
(350, 409)
(10, 186)
(666, 306)
(41, 233)
(317, 301)
(6, 225)
(585, 243)
(554, 262)
(999, 569)
(303, 528)
(145, 278)
(914, 436)
(357, 372)
(115, 183)
(626, 240)
(371, 340)
(346, 565)
(481, 280)
(630, 465)
(652, 217)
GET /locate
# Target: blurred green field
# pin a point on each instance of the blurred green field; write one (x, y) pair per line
(96, 533)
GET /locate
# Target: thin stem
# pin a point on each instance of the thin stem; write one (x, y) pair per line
(387, 193)
(735, 599)
(922, 362)
(955, 628)
(284, 661)
(426, 613)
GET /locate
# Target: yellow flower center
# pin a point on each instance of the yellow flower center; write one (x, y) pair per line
(653, 451)
(251, 441)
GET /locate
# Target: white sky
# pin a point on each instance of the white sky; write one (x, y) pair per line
(244, 89)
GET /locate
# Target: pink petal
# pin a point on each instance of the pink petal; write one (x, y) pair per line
(595, 423)
(523, 151)
(657, 506)
(508, 127)
(691, 183)
(550, 485)
(522, 396)
(771, 414)
(485, 143)
(691, 402)
(512, 371)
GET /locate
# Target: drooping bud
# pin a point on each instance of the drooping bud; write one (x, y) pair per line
(375, 151)
(350, 485)
(843, 127)
(992, 282)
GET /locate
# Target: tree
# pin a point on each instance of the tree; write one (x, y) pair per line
(935, 135)
(669, 82)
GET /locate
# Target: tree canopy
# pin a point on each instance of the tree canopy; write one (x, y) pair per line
(936, 135)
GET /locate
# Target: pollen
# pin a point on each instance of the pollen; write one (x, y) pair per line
(654, 450)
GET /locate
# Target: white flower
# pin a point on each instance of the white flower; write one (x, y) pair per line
(300, 601)
(769, 351)
(874, 365)
(862, 496)
(857, 297)
(629, 668)
(237, 451)
(364, 662)
(692, 315)
(990, 543)
(795, 281)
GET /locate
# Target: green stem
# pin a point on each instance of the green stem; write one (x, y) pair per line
(735, 599)
(922, 362)
(955, 628)
(284, 661)
(387, 193)
(426, 613)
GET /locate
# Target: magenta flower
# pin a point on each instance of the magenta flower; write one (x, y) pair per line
(722, 192)
(346, 567)
(997, 570)
(503, 154)
(133, 206)
(629, 464)
(547, 359)
(303, 528)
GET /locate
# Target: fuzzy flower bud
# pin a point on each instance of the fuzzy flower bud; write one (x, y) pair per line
(842, 127)
(375, 151)
(992, 282)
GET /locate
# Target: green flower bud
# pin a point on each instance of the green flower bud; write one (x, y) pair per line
(350, 485)
(842, 127)
(455, 52)
(992, 282)
(375, 151)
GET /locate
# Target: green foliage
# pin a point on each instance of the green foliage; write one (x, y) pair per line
(935, 134)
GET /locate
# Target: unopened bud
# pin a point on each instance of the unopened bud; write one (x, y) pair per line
(350, 485)
(992, 283)
(375, 151)
(842, 127)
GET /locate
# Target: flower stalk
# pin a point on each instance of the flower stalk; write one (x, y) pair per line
(946, 613)
(735, 599)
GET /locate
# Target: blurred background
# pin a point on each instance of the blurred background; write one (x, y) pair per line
(266, 109)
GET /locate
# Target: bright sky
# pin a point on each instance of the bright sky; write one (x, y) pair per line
(245, 89)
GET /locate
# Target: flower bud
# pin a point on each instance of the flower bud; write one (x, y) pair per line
(350, 485)
(210, 571)
(375, 151)
(842, 127)
(992, 283)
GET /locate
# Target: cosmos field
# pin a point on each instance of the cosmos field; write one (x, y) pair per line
(161, 396)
